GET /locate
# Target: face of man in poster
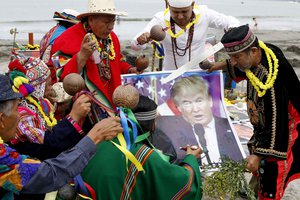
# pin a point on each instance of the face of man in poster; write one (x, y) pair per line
(195, 107)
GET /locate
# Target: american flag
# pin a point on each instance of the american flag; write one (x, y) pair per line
(150, 84)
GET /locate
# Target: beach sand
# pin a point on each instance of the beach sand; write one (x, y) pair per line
(288, 41)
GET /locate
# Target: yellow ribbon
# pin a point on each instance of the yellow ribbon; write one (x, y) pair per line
(156, 54)
(128, 154)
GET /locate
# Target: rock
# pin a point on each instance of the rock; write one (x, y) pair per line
(294, 49)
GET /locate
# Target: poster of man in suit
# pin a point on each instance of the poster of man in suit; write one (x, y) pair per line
(190, 112)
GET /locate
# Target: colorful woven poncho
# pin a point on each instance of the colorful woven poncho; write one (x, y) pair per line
(15, 170)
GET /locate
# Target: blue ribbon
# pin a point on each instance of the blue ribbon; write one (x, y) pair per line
(125, 128)
(134, 129)
(125, 121)
(160, 49)
(79, 185)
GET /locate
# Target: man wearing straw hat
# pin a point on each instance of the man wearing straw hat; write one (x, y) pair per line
(92, 49)
(187, 25)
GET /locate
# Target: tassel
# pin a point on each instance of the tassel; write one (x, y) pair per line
(29, 88)
(14, 74)
(16, 65)
(23, 91)
(26, 89)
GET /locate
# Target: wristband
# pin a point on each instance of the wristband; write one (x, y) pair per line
(75, 124)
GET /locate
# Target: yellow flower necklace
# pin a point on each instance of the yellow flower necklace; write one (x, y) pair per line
(170, 32)
(111, 47)
(49, 121)
(1, 141)
(260, 87)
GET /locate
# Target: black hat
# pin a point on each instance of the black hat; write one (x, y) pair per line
(238, 39)
(6, 91)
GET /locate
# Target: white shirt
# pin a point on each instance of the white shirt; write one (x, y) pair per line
(212, 146)
(208, 18)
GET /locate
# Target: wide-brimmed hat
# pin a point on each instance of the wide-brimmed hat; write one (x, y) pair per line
(6, 92)
(67, 15)
(96, 7)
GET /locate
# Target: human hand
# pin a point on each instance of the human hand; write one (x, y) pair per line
(134, 70)
(217, 66)
(253, 162)
(86, 50)
(106, 129)
(205, 65)
(144, 38)
(81, 107)
(193, 150)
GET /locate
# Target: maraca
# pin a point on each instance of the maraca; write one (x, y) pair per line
(126, 96)
(73, 83)
(141, 62)
(157, 33)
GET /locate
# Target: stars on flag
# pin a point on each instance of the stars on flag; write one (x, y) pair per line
(139, 84)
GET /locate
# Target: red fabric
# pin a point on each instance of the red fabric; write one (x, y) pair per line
(69, 43)
(173, 107)
(285, 176)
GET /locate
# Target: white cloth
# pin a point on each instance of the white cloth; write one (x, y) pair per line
(208, 19)
(180, 3)
(210, 136)
(211, 139)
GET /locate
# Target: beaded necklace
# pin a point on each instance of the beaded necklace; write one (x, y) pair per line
(175, 48)
(106, 53)
(259, 86)
(192, 22)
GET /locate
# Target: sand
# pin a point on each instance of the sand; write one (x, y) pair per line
(288, 41)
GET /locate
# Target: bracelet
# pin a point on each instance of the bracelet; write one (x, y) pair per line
(75, 124)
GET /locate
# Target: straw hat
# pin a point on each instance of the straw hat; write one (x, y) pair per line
(67, 15)
(96, 7)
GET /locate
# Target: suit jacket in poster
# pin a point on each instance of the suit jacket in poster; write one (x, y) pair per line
(173, 132)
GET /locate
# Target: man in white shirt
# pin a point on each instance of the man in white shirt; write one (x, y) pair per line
(196, 125)
(187, 31)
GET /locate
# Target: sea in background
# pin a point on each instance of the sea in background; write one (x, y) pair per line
(36, 15)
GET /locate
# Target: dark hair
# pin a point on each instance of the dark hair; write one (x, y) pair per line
(66, 24)
(145, 104)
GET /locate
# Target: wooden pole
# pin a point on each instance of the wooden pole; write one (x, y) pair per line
(30, 39)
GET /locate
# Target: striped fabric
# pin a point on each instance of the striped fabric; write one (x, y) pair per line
(29, 128)
(142, 155)
(186, 189)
